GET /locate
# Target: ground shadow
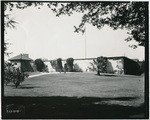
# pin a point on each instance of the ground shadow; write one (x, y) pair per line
(107, 75)
(12, 85)
(111, 75)
(120, 98)
(24, 86)
(69, 107)
(28, 87)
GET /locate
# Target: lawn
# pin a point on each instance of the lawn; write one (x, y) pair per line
(118, 96)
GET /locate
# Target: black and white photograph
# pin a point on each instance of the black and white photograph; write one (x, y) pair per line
(75, 59)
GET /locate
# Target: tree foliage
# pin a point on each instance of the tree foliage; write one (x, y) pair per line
(13, 74)
(118, 15)
(40, 66)
(59, 65)
(11, 22)
(101, 64)
(65, 68)
(131, 16)
(69, 62)
(93, 66)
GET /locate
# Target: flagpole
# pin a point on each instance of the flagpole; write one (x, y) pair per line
(85, 40)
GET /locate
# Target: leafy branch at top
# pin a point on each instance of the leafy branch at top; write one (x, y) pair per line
(118, 15)
(130, 16)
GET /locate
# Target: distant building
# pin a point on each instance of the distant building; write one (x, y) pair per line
(23, 62)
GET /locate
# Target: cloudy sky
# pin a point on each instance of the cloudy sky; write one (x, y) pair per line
(41, 34)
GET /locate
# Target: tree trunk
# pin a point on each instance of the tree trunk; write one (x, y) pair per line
(98, 72)
(17, 84)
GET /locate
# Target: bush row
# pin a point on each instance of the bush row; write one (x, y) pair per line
(69, 66)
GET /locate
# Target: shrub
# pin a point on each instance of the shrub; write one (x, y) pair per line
(70, 64)
(59, 65)
(102, 64)
(14, 75)
(77, 68)
(93, 66)
(65, 67)
(45, 69)
(40, 66)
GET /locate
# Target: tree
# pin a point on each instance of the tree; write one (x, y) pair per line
(93, 65)
(101, 64)
(10, 22)
(69, 62)
(59, 65)
(65, 68)
(13, 74)
(40, 66)
(132, 16)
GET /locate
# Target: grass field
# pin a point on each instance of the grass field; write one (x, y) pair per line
(81, 95)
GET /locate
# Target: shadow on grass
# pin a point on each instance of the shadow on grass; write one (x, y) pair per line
(24, 86)
(111, 75)
(108, 75)
(68, 107)
(12, 85)
(27, 87)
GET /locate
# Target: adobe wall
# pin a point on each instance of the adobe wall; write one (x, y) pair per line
(115, 66)
(131, 67)
(85, 65)
(50, 68)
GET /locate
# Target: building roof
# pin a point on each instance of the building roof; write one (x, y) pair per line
(21, 57)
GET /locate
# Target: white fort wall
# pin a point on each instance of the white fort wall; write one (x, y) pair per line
(113, 65)
(84, 64)
(50, 68)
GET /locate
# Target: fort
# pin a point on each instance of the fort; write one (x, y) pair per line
(115, 65)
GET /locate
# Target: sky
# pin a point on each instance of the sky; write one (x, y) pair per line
(41, 34)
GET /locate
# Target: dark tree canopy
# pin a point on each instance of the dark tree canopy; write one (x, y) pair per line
(13, 74)
(40, 66)
(118, 15)
(69, 62)
(131, 16)
(59, 64)
(101, 64)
